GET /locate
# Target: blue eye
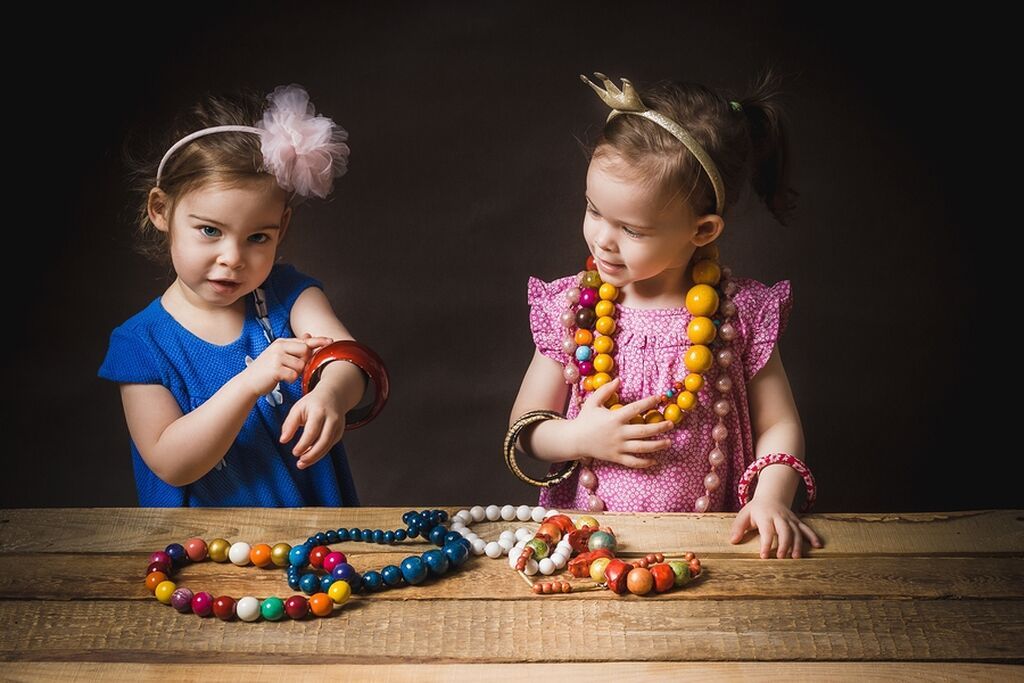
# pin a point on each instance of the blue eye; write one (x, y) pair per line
(209, 231)
(259, 238)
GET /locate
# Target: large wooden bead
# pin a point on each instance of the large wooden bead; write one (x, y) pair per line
(260, 555)
(272, 609)
(639, 581)
(673, 413)
(702, 300)
(615, 573)
(218, 550)
(601, 540)
(701, 330)
(321, 604)
(603, 345)
(592, 279)
(154, 579)
(693, 382)
(297, 606)
(706, 272)
(686, 400)
(196, 549)
(164, 590)
(224, 608)
(604, 308)
(664, 577)
(279, 554)
(698, 358)
(603, 362)
(585, 318)
(608, 292)
(605, 324)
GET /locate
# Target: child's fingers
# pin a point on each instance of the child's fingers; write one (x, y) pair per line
(785, 537)
(311, 432)
(798, 540)
(767, 531)
(292, 423)
(632, 461)
(811, 536)
(603, 393)
(316, 342)
(647, 430)
(322, 445)
(634, 446)
(638, 407)
(740, 526)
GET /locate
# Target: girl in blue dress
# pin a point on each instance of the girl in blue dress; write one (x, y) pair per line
(208, 371)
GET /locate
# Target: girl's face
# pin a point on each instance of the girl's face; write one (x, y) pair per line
(635, 234)
(224, 239)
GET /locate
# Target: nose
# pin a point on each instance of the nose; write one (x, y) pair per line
(604, 238)
(230, 255)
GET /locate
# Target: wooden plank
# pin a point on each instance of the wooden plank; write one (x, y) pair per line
(119, 576)
(986, 533)
(621, 672)
(481, 631)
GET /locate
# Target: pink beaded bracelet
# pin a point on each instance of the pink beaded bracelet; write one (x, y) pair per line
(743, 490)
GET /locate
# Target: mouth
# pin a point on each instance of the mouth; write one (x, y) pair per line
(608, 267)
(225, 286)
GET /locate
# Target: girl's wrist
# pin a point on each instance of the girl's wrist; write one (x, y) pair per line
(345, 381)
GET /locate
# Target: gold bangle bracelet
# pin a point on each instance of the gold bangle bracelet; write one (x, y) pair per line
(512, 436)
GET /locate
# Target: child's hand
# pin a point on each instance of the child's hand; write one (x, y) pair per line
(770, 517)
(607, 435)
(282, 361)
(323, 426)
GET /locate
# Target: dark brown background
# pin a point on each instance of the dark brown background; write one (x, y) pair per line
(466, 177)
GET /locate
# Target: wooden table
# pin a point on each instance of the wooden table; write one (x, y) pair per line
(891, 595)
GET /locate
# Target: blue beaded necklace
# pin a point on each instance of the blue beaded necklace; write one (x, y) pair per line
(453, 550)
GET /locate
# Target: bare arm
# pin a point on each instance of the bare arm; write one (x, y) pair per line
(777, 429)
(544, 389)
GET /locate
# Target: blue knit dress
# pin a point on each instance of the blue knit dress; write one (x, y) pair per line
(153, 348)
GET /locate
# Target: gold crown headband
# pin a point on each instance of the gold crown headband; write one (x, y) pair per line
(626, 101)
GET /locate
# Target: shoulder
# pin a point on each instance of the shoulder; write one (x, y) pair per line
(540, 292)
(285, 283)
(131, 353)
(752, 297)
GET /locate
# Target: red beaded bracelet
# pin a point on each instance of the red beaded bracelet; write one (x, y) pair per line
(743, 490)
(366, 360)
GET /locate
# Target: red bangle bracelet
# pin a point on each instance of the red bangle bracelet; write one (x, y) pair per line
(743, 490)
(366, 360)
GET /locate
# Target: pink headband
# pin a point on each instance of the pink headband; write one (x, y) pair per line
(305, 152)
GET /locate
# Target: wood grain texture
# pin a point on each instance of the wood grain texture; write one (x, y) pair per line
(468, 631)
(621, 672)
(116, 576)
(985, 533)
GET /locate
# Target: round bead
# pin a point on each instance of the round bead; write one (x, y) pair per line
(586, 367)
(701, 330)
(702, 300)
(413, 570)
(708, 251)
(567, 318)
(176, 552)
(332, 560)
(391, 574)
(272, 609)
(639, 581)
(725, 357)
(588, 479)
(493, 513)
(239, 553)
(372, 581)
(681, 570)
(538, 513)
(653, 417)
(693, 382)
(571, 373)
(727, 331)
(161, 557)
(588, 297)
(248, 608)
(604, 308)
(572, 295)
(540, 548)
(712, 481)
(686, 400)
(605, 324)
(583, 337)
(594, 504)
(321, 604)
(701, 504)
(260, 555)
(196, 550)
(340, 592)
(664, 577)
(604, 345)
(597, 568)
(716, 457)
(546, 567)
(297, 606)
(719, 432)
(673, 413)
(523, 513)
(436, 562)
(592, 279)
(601, 540)
(583, 353)
(600, 379)
(508, 513)
(309, 583)
(157, 567)
(164, 590)
(723, 384)
(224, 608)
(492, 550)
(279, 554)
(477, 513)
(585, 318)
(722, 407)
(568, 346)
(298, 556)
(154, 579)
(585, 521)
(728, 309)
(317, 554)
(706, 272)
(552, 531)
(531, 567)
(181, 599)
(698, 358)
(202, 604)
(218, 550)
(603, 362)
(588, 384)
(608, 292)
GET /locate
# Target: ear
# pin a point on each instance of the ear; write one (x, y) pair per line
(709, 227)
(158, 206)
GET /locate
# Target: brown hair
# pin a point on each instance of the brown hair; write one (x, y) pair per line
(229, 158)
(747, 145)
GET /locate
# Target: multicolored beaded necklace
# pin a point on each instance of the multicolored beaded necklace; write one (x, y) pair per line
(592, 325)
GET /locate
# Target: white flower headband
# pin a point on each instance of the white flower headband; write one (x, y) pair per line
(305, 152)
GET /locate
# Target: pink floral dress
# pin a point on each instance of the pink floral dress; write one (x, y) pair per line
(648, 358)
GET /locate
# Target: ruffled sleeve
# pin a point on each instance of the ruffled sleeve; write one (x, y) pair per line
(129, 360)
(762, 314)
(547, 302)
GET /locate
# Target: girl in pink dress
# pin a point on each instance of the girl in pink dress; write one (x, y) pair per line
(668, 404)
